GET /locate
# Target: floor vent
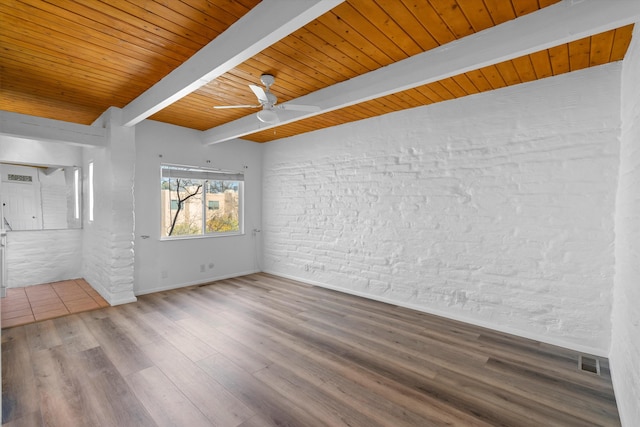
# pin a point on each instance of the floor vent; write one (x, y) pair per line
(589, 364)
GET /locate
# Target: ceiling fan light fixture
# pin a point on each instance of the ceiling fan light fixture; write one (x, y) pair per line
(267, 116)
(268, 102)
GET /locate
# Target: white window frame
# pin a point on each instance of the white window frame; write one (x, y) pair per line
(198, 172)
(76, 194)
(91, 193)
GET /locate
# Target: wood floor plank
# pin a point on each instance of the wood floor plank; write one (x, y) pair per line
(346, 355)
(315, 400)
(213, 400)
(256, 421)
(255, 394)
(242, 355)
(42, 335)
(74, 334)
(32, 419)
(127, 318)
(202, 307)
(102, 381)
(165, 402)
(320, 364)
(20, 397)
(61, 394)
(501, 406)
(167, 306)
(589, 404)
(260, 350)
(280, 348)
(120, 348)
(187, 343)
(405, 412)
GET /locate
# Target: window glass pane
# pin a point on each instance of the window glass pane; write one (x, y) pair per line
(76, 193)
(182, 206)
(91, 191)
(223, 212)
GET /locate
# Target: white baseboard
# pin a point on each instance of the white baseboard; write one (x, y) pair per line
(123, 300)
(196, 282)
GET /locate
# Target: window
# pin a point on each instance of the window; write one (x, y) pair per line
(200, 202)
(76, 193)
(90, 191)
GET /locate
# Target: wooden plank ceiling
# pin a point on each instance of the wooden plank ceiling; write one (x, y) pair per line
(71, 60)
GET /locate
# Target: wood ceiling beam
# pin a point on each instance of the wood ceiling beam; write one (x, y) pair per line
(561, 23)
(43, 129)
(264, 25)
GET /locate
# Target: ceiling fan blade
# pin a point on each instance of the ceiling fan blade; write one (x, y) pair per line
(220, 107)
(260, 93)
(298, 107)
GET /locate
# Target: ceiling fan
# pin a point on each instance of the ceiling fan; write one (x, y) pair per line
(268, 102)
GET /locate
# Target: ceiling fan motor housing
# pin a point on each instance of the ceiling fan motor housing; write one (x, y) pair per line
(267, 80)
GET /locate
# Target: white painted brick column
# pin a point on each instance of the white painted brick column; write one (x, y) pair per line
(109, 239)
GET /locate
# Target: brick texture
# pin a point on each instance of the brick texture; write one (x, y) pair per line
(43, 256)
(496, 209)
(109, 240)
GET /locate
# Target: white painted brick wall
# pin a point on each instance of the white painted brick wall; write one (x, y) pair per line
(496, 209)
(625, 346)
(43, 256)
(109, 239)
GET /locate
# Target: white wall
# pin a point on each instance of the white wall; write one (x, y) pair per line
(108, 262)
(625, 346)
(35, 257)
(28, 151)
(43, 256)
(496, 209)
(173, 263)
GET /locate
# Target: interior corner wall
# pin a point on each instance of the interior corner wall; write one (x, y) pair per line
(172, 263)
(495, 209)
(625, 345)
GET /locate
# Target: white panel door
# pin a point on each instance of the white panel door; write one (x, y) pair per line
(21, 206)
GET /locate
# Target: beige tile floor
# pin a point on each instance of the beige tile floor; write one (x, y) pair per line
(49, 300)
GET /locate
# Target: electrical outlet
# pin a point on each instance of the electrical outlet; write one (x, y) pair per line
(201, 268)
(164, 274)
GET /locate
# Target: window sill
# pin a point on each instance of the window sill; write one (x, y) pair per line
(201, 236)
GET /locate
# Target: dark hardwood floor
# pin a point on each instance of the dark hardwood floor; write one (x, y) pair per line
(266, 351)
